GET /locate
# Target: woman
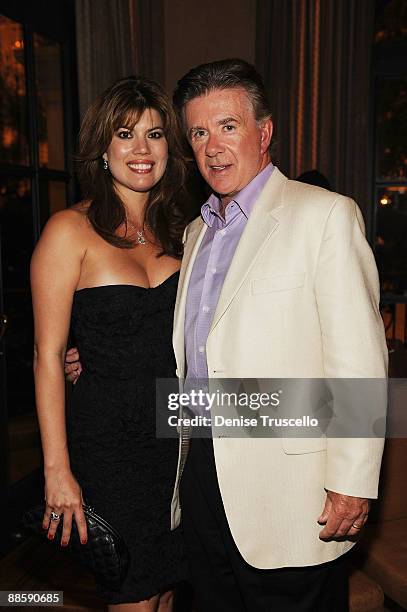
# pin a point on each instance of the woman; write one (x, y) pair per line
(108, 269)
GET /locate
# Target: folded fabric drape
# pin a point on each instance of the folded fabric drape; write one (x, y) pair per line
(315, 59)
(117, 38)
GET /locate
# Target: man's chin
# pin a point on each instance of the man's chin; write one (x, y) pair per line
(220, 187)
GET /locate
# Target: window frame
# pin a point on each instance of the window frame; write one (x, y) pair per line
(56, 22)
(388, 62)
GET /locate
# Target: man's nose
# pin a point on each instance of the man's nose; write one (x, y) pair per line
(213, 146)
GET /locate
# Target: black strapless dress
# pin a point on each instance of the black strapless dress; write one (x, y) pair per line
(127, 475)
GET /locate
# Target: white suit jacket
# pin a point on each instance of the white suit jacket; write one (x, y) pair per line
(300, 300)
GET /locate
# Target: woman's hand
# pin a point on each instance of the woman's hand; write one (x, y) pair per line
(63, 496)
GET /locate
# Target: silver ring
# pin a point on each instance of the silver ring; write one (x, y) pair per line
(357, 526)
(54, 516)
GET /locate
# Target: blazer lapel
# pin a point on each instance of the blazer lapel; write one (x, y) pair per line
(263, 221)
(195, 235)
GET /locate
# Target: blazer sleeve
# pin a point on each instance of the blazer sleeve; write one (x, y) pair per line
(354, 346)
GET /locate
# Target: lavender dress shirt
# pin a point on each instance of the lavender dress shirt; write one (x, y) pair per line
(211, 266)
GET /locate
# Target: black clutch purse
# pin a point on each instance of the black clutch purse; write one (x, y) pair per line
(105, 552)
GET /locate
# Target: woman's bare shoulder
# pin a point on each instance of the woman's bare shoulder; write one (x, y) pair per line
(73, 218)
(69, 226)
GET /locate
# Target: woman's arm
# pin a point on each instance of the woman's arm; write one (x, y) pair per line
(55, 272)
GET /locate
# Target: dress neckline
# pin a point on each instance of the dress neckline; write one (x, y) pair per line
(129, 285)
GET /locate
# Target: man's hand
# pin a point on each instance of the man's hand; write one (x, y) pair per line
(343, 515)
(73, 367)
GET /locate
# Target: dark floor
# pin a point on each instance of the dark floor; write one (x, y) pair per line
(36, 565)
(40, 566)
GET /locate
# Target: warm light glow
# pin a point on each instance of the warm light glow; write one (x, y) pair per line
(384, 201)
(396, 188)
(43, 153)
(9, 136)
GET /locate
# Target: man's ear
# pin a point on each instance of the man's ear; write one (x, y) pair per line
(266, 129)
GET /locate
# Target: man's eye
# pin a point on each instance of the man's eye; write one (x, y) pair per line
(156, 135)
(229, 127)
(124, 134)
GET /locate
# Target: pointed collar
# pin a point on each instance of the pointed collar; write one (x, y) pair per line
(245, 198)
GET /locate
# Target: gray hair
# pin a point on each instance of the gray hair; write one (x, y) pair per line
(223, 74)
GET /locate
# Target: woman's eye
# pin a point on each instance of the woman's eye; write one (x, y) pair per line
(156, 135)
(198, 134)
(124, 134)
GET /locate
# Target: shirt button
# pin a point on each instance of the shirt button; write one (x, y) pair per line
(206, 309)
(213, 270)
(201, 349)
(223, 232)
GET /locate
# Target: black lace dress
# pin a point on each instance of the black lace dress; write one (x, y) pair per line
(127, 475)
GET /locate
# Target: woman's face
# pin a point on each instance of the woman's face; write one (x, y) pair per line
(137, 158)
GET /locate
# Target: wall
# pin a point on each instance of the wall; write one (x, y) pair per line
(203, 31)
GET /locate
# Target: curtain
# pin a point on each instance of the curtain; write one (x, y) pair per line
(315, 58)
(148, 24)
(117, 38)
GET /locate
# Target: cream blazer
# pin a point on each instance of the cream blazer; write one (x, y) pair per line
(300, 300)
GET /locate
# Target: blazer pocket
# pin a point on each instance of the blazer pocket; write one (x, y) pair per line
(283, 282)
(303, 446)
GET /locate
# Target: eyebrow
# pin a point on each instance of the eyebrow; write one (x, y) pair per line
(123, 127)
(195, 127)
(228, 120)
(220, 122)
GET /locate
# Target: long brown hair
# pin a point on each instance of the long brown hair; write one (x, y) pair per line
(120, 106)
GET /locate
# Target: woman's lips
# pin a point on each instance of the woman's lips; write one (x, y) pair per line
(140, 167)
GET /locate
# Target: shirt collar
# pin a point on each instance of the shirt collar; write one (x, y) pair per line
(245, 198)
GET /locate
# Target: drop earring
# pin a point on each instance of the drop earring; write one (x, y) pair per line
(105, 164)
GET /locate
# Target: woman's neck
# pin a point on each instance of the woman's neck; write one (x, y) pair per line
(135, 203)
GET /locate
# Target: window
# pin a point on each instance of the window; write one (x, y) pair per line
(36, 142)
(390, 162)
(391, 183)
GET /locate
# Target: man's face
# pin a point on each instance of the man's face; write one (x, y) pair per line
(230, 147)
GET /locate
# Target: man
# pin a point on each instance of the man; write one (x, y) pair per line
(277, 280)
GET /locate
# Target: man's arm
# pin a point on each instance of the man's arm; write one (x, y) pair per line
(72, 365)
(354, 346)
